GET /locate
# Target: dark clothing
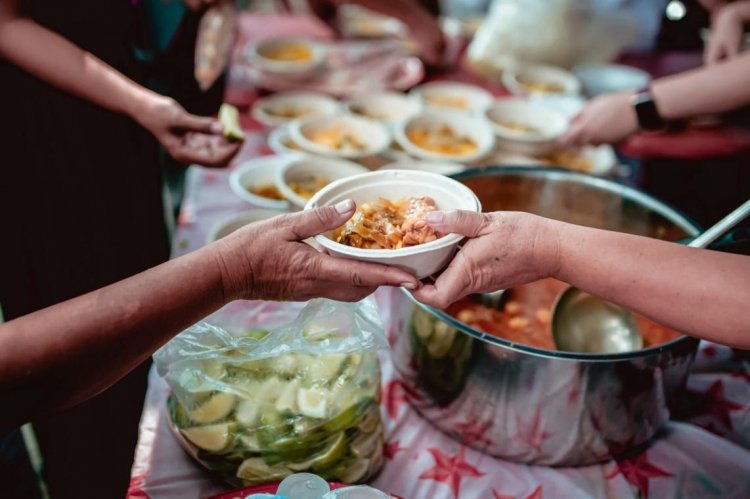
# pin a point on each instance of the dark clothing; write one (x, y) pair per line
(80, 208)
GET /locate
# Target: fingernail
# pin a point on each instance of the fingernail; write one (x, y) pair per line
(408, 285)
(344, 206)
(435, 217)
(217, 127)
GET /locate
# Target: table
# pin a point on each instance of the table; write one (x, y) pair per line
(707, 455)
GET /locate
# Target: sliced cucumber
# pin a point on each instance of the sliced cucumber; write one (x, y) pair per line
(217, 407)
(370, 420)
(353, 471)
(348, 417)
(214, 368)
(211, 438)
(250, 442)
(229, 116)
(287, 397)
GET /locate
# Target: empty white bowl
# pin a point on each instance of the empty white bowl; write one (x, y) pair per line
(526, 127)
(259, 172)
(225, 227)
(520, 80)
(474, 128)
(373, 137)
(421, 260)
(604, 78)
(387, 107)
(284, 107)
(269, 56)
(301, 169)
(453, 96)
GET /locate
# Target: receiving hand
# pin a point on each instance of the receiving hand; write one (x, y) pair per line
(607, 119)
(727, 27)
(186, 137)
(269, 260)
(506, 249)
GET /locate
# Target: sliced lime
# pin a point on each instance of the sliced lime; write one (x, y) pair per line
(211, 438)
(217, 407)
(332, 454)
(229, 116)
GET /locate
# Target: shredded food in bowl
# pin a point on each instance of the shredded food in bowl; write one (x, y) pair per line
(385, 224)
(442, 140)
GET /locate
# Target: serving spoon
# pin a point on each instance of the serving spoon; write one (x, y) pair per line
(584, 323)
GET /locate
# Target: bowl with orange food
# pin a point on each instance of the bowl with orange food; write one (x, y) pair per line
(254, 181)
(445, 135)
(299, 180)
(287, 57)
(389, 225)
(342, 136)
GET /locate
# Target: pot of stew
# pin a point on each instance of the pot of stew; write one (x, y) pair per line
(491, 377)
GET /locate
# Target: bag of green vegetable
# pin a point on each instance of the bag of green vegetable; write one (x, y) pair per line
(256, 399)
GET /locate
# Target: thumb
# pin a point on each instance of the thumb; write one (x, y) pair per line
(202, 124)
(310, 223)
(467, 223)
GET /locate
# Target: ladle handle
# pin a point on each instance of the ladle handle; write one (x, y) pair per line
(721, 226)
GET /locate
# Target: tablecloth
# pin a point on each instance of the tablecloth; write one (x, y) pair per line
(707, 455)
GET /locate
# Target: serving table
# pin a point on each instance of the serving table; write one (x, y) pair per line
(705, 455)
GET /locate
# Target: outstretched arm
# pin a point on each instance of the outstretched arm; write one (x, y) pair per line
(53, 59)
(62, 355)
(699, 292)
(610, 118)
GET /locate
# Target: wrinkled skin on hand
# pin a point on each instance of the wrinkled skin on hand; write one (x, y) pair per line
(505, 249)
(269, 260)
(186, 137)
(606, 119)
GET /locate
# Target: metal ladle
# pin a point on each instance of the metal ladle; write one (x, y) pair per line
(583, 323)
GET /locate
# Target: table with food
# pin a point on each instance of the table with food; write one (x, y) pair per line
(480, 399)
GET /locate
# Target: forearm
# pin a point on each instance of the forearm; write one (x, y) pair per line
(64, 354)
(706, 90)
(699, 292)
(53, 59)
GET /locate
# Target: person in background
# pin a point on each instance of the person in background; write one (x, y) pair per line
(700, 292)
(727, 29)
(81, 201)
(60, 356)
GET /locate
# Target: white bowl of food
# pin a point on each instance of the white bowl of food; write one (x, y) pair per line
(225, 227)
(529, 79)
(402, 239)
(340, 136)
(287, 57)
(452, 95)
(387, 107)
(254, 181)
(284, 107)
(600, 79)
(445, 135)
(439, 167)
(280, 141)
(299, 180)
(526, 127)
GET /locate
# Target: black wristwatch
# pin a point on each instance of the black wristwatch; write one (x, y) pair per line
(646, 111)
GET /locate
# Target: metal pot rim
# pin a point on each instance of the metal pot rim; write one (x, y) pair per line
(624, 191)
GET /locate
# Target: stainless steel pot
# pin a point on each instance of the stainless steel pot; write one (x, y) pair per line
(539, 406)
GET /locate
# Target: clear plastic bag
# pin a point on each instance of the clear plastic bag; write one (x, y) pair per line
(261, 390)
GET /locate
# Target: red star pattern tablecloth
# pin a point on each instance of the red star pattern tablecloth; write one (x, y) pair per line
(705, 455)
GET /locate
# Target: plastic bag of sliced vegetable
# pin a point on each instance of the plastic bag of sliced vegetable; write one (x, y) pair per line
(261, 390)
